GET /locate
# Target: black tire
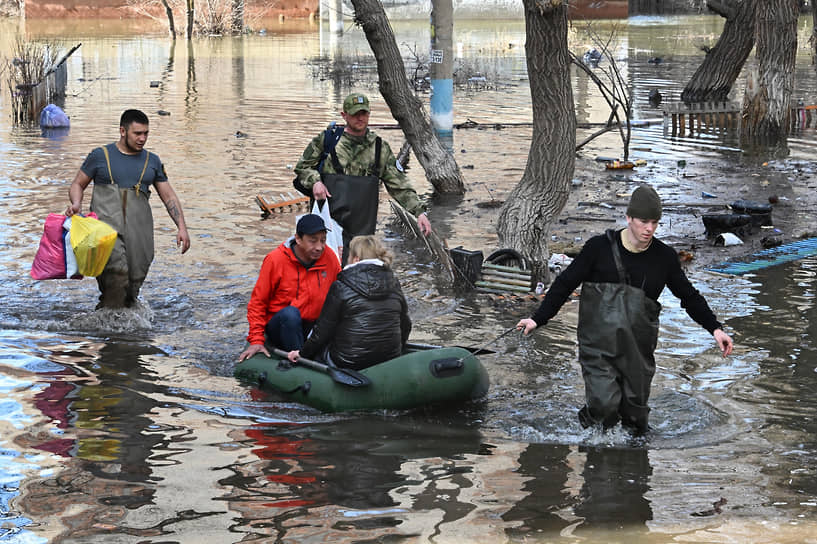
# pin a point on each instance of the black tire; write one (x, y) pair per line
(507, 257)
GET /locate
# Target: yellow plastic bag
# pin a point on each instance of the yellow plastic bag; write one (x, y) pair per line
(92, 241)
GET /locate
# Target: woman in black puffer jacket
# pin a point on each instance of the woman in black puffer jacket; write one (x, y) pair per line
(364, 320)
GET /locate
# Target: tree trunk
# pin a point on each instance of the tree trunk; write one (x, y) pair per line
(171, 24)
(814, 33)
(440, 167)
(531, 207)
(191, 11)
(237, 17)
(768, 93)
(722, 65)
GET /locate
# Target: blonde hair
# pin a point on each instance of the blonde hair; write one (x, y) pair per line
(369, 247)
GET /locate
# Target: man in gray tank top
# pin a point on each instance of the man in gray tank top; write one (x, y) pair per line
(123, 173)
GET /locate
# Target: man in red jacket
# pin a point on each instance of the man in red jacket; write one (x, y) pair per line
(289, 294)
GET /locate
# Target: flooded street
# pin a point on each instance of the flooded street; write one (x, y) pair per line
(128, 426)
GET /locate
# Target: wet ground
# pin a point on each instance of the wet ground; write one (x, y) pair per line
(128, 426)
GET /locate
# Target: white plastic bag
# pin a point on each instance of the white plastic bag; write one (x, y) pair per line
(334, 236)
(727, 239)
(71, 268)
(558, 262)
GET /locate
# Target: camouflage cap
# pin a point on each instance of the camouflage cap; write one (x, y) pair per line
(355, 102)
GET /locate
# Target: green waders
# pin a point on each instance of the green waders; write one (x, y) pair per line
(354, 199)
(618, 333)
(128, 212)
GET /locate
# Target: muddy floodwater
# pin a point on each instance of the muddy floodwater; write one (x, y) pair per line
(129, 426)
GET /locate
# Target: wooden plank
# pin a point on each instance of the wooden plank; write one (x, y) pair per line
(291, 202)
(502, 287)
(268, 207)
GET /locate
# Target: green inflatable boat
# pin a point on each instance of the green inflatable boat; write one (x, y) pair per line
(420, 377)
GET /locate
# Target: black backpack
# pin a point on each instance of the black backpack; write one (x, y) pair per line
(331, 136)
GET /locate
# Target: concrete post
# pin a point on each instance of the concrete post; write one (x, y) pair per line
(442, 66)
(332, 10)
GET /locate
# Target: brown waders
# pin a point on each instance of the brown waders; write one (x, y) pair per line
(618, 333)
(128, 212)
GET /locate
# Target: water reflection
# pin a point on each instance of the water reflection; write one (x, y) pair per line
(612, 495)
(788, 375)
(191, 94)
(59, 133)
(581, 492)
(364, 481)
(547, 471)
(370, 472)
(103, 418)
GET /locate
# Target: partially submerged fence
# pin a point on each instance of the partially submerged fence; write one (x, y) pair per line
(680, 118)
(700, 117)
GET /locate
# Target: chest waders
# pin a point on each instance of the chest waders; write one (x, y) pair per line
(354, 198)
(128, 212)
(618, 333)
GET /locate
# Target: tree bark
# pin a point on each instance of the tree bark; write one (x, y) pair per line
(714, 78)
(171, 24)
(440, 167)
(766, 103)
(237, 17)
(191, 12)
(814, 33)
(531, 207)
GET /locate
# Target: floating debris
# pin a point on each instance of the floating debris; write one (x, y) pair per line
(727, 239)
(620, 165)
(287, 203)
(781, 254)
(716, 509)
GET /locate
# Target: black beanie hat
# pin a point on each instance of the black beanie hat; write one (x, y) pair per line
(645, 204)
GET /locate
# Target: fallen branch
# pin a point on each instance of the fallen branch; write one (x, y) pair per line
(596, 134)
(433, 243)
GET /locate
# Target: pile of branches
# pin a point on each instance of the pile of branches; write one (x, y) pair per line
(10, 8)
(30, 63)
(210, 17)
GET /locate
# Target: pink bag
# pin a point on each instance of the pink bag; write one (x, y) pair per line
(49, 262)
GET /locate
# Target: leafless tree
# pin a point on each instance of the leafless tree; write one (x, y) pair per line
(213, 16)
(237, 22)
(171, 23)
(614, 88)
(191, 17)
(531, 207)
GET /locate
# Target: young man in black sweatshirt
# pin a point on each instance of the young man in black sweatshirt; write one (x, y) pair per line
(622, 274)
